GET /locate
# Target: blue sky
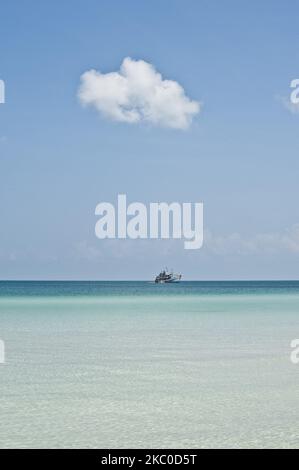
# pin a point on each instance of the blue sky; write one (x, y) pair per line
(239, 156)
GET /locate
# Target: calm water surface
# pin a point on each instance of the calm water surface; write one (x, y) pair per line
(134, 364)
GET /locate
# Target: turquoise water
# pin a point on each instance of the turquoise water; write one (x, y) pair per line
(134, 364)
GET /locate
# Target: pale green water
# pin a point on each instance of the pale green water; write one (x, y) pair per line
(138, 365)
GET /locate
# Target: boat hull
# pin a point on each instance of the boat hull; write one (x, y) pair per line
(168, 279)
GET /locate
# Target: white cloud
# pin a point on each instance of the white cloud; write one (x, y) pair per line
(86, 251)
(262, 243)
(136, 93)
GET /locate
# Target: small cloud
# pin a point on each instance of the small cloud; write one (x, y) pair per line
(86, 251)
(138, 93)
(286, 241)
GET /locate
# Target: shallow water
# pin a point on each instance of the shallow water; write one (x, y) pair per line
(133, 364)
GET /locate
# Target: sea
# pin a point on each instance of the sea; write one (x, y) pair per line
(139, 365)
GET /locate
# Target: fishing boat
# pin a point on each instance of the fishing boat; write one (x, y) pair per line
(166, 277)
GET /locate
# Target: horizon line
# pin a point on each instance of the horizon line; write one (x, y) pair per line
(147, 280)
